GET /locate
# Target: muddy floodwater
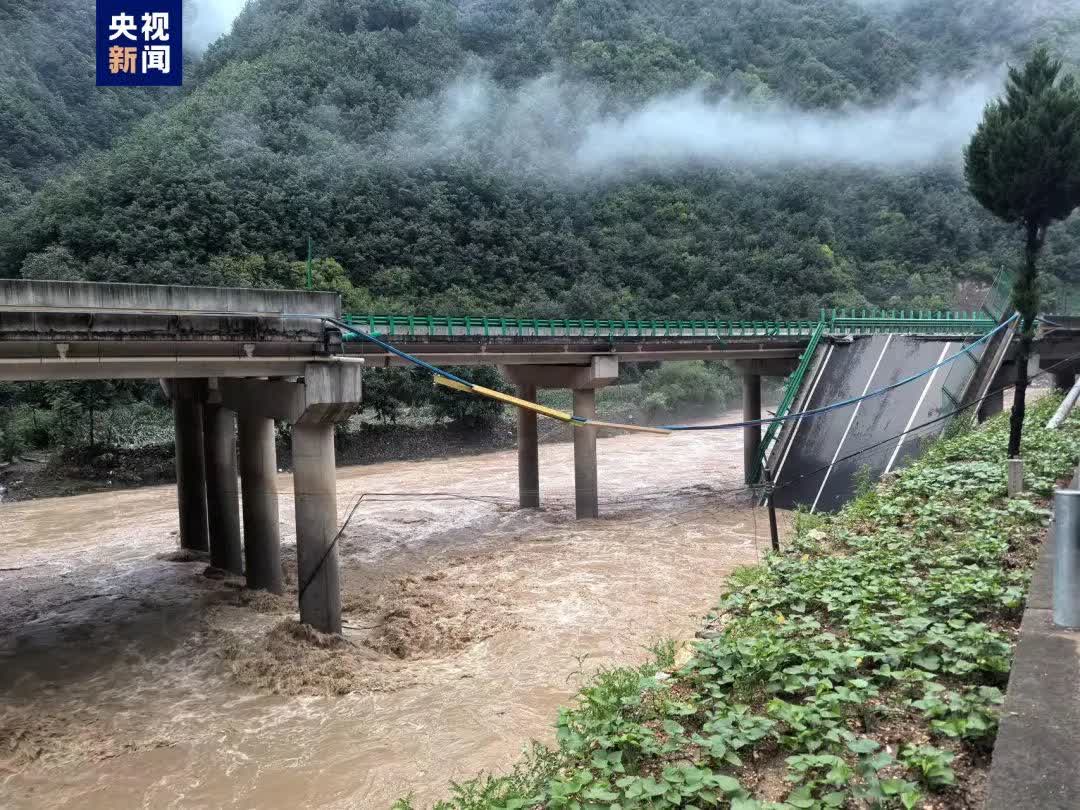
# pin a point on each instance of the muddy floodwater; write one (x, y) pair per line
(129, 678)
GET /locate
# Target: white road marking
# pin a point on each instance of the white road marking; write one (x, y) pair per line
(914, 413)
(851, 422)
(798, 422)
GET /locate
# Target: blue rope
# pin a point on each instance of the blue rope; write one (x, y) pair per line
(847, 402)
(403, 355)
(726, 426)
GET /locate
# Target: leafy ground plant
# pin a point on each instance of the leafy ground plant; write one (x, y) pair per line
(861, 668)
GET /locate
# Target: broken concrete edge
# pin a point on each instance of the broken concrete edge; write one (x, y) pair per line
(90, 296)
(1038, 742)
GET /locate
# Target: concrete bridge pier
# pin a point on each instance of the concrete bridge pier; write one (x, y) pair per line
(586, 493)
(1064, 380)
(222, 490)
(329, 393)
(751, 385)
(583, 381)
(258, 482)
(187, 397)
(315, 488)
(528, 451)
(751, 372)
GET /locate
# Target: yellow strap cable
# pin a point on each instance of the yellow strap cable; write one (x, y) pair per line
(562, 416)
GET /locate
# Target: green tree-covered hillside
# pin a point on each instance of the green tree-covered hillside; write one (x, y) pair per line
(296, 128)
(50, 110)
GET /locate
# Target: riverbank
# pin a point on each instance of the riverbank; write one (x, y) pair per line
(864, 665)
(364, 440)
(101, 469)
(131, 679)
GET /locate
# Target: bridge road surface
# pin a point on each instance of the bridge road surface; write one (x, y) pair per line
(851, 370)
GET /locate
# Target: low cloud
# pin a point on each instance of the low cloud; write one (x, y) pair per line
(559, 127)
(206, 20)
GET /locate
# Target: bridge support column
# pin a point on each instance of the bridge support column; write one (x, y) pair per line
(187, 398)
(329, 393)
(315, 486)
(586, 494)
(258, 481)
(528, 451)
(583, 381)
(751, 435)
(222, 491)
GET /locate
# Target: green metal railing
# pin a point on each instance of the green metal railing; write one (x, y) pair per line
(919, 322)
(791, 390)
(998, 301)
(843, 321)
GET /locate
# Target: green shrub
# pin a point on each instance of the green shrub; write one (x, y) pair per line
(687, 387)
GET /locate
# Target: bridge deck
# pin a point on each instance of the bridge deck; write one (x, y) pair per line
(847, 322)
(83, 330)
(822, 459)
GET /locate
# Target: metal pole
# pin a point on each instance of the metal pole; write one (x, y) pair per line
(1067, 558)
(1066, 406)
(773, 533)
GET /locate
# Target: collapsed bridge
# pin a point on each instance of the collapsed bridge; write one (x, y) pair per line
(234, 362)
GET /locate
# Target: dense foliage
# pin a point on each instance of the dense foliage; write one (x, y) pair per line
(862, 667)
(294, 131)
(1023, 164)
(326, 119)
(50, 112)
(688, 388)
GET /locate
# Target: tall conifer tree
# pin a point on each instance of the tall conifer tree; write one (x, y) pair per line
(1023, 165)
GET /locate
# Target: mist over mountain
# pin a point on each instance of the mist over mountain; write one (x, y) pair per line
(206, 20)
(560, 157)
(560, 128)
(50, 111)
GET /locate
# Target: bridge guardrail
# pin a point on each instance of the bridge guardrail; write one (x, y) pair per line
(998, 301)
(842, 321)
(791, 389)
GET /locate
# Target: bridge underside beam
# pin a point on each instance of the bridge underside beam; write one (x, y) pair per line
(142, 368)
(562, 354)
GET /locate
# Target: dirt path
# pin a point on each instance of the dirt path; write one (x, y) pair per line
(133, 681)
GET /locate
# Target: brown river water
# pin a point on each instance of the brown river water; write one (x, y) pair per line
(131, 679)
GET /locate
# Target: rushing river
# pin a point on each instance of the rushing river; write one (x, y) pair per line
(130, 679)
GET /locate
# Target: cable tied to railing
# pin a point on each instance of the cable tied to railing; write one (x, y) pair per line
(852, 400)
(452, 380)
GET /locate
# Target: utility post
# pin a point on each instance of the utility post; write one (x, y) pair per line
(1066, 604)
(774, 534)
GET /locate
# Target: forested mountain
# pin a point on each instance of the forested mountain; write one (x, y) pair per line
(50, 111)
(341, 120)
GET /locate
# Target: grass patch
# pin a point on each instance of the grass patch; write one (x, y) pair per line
(861, 668)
